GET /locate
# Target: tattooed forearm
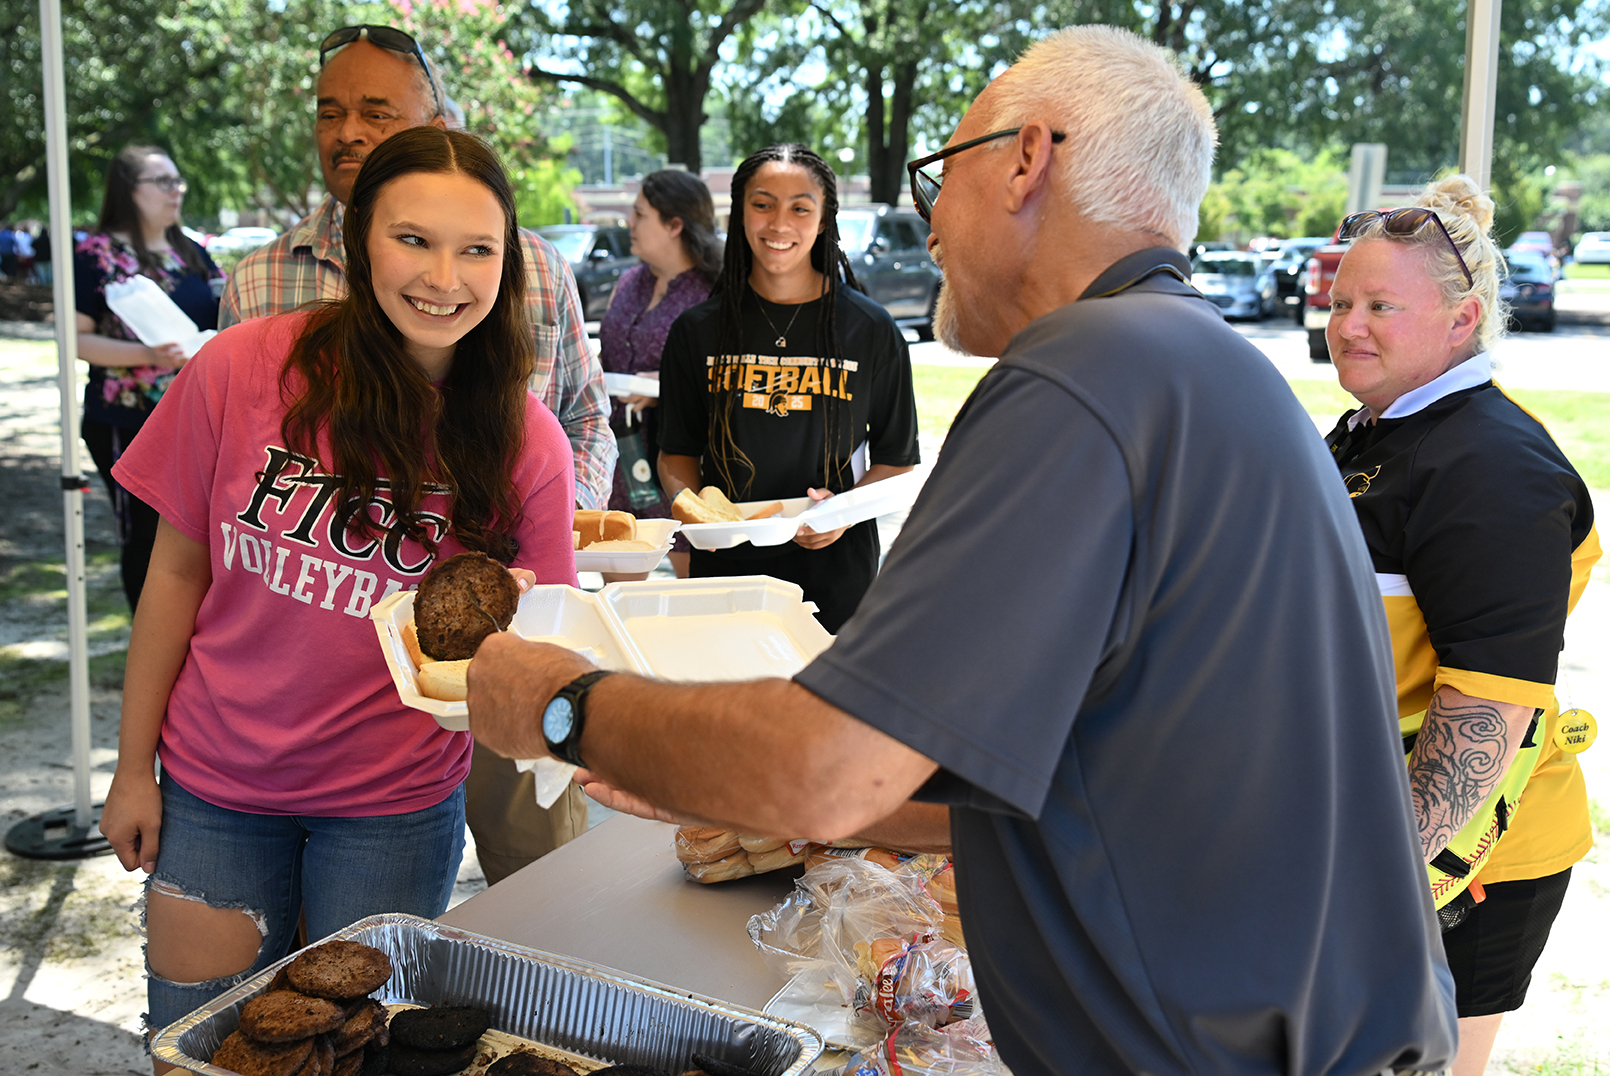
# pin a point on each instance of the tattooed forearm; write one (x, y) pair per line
(1463, 750)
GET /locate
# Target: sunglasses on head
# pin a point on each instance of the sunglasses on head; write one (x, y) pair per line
(1401, 222)
(925, 188)
(387, 37)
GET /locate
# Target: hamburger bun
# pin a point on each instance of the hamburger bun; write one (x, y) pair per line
(717, 500)
(706, 844)
(596, 526)
(774, 860)
(690, 508)
(767, 512)
(445, 680)
(736, 865)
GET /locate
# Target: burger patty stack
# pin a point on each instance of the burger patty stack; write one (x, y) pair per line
(316, 1018)
(436, 1041)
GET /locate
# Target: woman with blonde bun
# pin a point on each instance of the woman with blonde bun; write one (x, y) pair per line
(1482, 536)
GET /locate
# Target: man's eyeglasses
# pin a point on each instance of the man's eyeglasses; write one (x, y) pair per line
(170, 184)
(925, 188)
(386, 37)
(1401, 222)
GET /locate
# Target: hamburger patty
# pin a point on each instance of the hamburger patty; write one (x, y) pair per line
(461, 601)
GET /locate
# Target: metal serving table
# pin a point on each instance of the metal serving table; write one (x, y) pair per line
(617, 896)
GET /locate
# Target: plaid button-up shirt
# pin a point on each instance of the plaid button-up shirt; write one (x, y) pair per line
(308, 262)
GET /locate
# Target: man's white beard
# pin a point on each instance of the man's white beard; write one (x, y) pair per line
(945, 321)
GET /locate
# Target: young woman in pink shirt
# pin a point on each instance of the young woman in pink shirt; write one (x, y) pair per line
(304, 467)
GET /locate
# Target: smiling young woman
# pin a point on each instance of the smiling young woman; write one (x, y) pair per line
(305, 466)
(789, 382)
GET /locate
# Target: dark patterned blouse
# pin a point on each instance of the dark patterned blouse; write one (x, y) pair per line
(631, 338)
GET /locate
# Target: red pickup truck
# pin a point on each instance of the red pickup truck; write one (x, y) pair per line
(1317, 276)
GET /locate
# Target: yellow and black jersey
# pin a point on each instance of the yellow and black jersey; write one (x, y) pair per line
(1482, 537)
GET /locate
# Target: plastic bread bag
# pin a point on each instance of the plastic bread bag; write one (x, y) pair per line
(961, 1049)
(851, 925)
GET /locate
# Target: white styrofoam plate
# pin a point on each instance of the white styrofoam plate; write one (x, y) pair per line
(623, 385)
(560, 615)
(658, 531)
(735, 628)
(773, 530)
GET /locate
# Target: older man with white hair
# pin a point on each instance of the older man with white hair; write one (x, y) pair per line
(1129, 636)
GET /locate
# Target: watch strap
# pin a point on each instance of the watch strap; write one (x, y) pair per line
(569, 749)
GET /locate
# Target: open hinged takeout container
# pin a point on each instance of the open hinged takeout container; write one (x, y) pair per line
(580, 1013)
(841, 510)
(738, 628)
(658, 531)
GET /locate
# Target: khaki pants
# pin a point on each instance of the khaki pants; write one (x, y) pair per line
(510, 830)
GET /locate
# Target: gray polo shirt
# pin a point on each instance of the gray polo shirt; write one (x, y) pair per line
(1133, 620)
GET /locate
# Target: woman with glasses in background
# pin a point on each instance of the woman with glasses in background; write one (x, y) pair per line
(138, 235)
(1482, 537)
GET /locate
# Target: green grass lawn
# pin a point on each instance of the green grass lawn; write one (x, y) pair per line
(1579, 421)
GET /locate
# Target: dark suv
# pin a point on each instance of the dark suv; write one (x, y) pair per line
(888, 248)
(598, 254)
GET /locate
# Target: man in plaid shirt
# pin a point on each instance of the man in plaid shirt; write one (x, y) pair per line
(375, 83)
(308, 262)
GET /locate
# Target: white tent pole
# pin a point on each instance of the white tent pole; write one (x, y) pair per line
(1481, 91)
(72, 482)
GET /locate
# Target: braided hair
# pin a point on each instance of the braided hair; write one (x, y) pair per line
(734, 292)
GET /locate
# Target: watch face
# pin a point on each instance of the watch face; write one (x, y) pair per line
(557, 720)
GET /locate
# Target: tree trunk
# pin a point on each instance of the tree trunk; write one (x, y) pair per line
(686, 84)
(888, 176)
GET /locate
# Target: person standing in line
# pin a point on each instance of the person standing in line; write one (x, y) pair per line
(373, 82)
(1482, 537)
(1128, 634)
(138, 235)
(305, 465)
(790, 382)
(23, 240)
(42, 265)
(673, 228)
(8, 252)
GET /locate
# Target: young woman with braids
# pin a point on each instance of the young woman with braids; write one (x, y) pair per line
(304, 466)
(788, 382)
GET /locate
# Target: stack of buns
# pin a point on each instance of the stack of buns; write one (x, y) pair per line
(606, 532)
(710, 505)
(942, 887)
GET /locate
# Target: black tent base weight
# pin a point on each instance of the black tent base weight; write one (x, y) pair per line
(53, 834)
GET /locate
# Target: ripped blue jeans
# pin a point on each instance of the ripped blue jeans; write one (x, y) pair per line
(275, 867)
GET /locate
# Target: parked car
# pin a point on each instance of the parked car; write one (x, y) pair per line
(1288, 270)
(241, 239)
(1236, 282)
(1593, 249)
(888, 248)
(1318, 272)
(1529, 291)
(598, 254)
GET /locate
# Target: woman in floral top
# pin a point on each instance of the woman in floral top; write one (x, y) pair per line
(138, 234)
(673, 226)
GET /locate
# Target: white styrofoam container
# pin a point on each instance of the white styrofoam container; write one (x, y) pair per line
(560, 615)
(841, 510)
(773, 530)
(623, 385)
(658, 531)
(736, 628)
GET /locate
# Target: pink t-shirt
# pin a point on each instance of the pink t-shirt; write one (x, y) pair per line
(285, 704)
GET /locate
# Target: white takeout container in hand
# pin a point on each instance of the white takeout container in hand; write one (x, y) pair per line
(773, 530)
(624, 385)
(560, 615)
(841, 510)
(153, 316)
(658, 531)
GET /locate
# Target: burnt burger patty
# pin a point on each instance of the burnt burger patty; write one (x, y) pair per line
(461, 601)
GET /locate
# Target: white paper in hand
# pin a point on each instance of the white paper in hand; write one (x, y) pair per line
(552, 777)
(154, 317)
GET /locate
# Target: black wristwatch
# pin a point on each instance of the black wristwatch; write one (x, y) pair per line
(564, 716)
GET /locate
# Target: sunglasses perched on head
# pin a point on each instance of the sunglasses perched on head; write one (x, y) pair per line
(1400, 222)
(925, 188)
(387, 37)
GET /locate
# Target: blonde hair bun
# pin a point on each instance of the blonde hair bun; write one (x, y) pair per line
(1458, 194)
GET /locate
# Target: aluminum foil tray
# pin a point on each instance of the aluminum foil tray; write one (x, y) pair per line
(599, 1015)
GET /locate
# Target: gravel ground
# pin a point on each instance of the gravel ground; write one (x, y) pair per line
(70, 965)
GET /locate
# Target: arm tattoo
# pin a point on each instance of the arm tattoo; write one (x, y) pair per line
(1457, 762)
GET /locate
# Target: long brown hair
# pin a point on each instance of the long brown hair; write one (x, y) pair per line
(381, 414)
(675, 194)
(734, 292)
(119, 213)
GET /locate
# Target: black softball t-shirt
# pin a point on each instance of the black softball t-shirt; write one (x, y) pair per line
(801, 417)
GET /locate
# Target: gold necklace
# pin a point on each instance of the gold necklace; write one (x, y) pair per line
(782, 336)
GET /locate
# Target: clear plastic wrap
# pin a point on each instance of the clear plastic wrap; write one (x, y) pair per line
(960, 1049)
(872, 935)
